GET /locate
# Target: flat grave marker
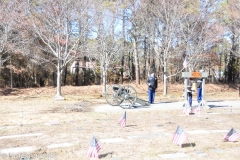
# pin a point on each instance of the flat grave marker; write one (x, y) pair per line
(198, 132)
(144, 136)
(219, 131)
(112, 140)
(201, 154)
(217, 150)
(60, 145)
(21, 135)
(174, 156)
(17, 150)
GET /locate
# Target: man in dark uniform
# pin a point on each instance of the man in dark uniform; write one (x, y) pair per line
(152, 86)
(189, 95)
(199, 92)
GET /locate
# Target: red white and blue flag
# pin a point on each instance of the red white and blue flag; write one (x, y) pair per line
(197, 111)
(94, 148)
(187, 108)
(179, 136)
(231, 136)
(122, 121)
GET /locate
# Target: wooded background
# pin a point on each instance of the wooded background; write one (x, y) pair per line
(79, 42)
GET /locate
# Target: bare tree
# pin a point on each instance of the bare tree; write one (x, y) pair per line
(182, 29)
(165, 20)
(55, 24)
(136, 34)
(230, 19)
(106, 46)
(14, 38)
(5, 27)
(11, 34)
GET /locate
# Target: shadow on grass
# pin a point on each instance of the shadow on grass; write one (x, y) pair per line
(105, 155)
(130, 125)
(215, 101)
(230, 141)
(9, 92)
(166, 102)
(159, 125)
(149, 106)
(140, 106)
(217, 106)
(185, 145)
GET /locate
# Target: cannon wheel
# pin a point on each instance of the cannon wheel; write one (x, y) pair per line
(111, 95)
(128, 96)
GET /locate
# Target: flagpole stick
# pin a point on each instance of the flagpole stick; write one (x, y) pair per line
(190, 143)
(224, 138)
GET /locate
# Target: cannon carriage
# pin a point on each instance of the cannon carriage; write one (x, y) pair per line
(123, 96)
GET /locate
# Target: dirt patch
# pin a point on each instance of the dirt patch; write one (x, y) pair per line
(94, 92)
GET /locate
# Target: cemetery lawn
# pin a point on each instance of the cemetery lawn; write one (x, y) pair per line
(64, 129)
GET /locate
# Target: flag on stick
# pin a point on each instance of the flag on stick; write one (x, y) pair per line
(187, 108)
(179, 136)
(185, 63)
(122, 121)
(231, 136)
(94, 148)
(197, 110)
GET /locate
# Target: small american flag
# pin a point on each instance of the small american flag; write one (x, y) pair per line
(231, 136)
(185, 63)
(179, 136)
(187, 108)
(122, 121)
(197, 110)
(94, 148)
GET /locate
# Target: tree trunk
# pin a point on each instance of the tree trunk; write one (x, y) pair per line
(54, 78)
(149, 59)
(145, 59)
(104, 75)
(165, 78)
(0, 63)
(137, 68)
(232, 60)
(11, 75)
(35, 76)
(153, 64)
(65, 76)
(159, 70)
(59, 94)
(124, 42)
(95, 77)
(133, 70)
(225, 68)
(76, 73)
(84, 71)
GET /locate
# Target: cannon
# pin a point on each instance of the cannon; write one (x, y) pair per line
(123, 96)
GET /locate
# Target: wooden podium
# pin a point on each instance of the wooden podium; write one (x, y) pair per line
(194, 75)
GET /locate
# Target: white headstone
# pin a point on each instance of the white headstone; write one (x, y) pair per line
(198, 132)
(112, 140)
(17, 150)
(60, 145)
(21, 135)
(174, 155)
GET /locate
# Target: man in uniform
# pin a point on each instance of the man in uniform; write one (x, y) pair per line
(152, 86)
(199, 90)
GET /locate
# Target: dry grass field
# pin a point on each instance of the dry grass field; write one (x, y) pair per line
(73, 122)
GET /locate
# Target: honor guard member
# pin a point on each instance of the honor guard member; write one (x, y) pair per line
(152, 86)
(199, 90)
